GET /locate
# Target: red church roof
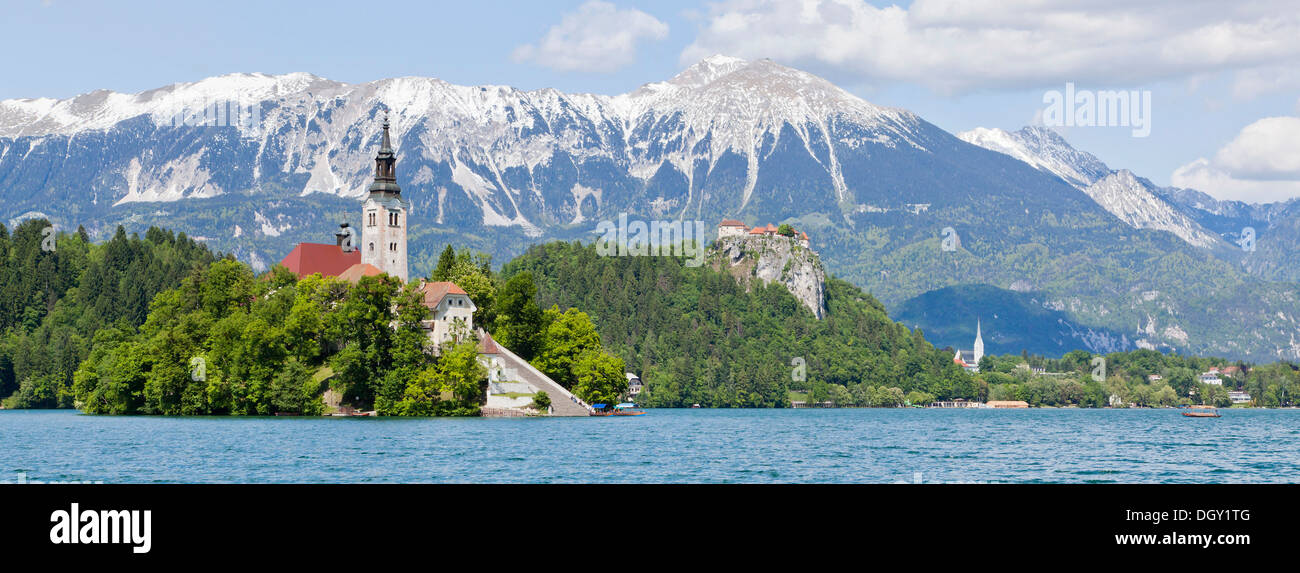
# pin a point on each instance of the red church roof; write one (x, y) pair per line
(328, 260)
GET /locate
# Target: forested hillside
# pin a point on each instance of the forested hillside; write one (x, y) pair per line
(58, 291)
(695, 335)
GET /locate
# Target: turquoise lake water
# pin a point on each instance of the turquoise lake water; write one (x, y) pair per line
(691, 446)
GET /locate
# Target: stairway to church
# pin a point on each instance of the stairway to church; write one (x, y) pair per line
(563, 402)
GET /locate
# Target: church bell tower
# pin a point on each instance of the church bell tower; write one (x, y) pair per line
(383, 216)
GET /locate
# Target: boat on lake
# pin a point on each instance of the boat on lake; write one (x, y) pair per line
(1202, 412)
(627, 409)
(622, 409)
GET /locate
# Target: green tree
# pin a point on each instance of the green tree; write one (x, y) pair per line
(599, 377)
(519, 320)
(542, 401)
(567, 336)
(445, 261)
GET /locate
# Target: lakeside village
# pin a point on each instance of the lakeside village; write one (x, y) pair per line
(1015, 376)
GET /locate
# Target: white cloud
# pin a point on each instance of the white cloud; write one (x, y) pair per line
(961, 45)
(1261, 164)
(599, 37)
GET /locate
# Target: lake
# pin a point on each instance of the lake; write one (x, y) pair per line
(691, 446)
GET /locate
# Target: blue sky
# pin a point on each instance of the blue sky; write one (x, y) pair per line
(1224, 79)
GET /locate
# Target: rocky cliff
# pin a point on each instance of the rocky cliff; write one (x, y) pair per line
(776, 259)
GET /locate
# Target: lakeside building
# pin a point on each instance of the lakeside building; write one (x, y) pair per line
(1007, 404)
(1211, 377)
(1239, 397)
(970, 359)
(633, 385)
(453, 312)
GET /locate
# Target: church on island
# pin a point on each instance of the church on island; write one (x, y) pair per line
(381, 249)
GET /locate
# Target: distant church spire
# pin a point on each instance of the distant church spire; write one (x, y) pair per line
(979, 342)
(385, 167)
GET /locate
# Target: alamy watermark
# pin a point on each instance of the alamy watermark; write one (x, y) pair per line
(798, 369)
(215, 113)
(1247, 240)
(951, 240)
(1106, 108)
(639, 238)
(49, 239)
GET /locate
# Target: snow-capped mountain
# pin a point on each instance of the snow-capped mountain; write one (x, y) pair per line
(1135, 202)
(1042, 148)
(1122, 194)
(502, 147)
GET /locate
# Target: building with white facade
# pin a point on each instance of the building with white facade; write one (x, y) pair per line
(453, 312)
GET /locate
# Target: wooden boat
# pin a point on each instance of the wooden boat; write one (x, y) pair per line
(1202, 412)
(627, 409)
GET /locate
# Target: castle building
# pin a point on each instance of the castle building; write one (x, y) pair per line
(734, 228)
(383, 216)
(970, 359)
(731, 228)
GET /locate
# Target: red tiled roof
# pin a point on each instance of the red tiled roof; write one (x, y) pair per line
(730, 223)
(328, 260)
(771, 228)
(434, 291)
(355, 272)
(805, 236)
(757, 231)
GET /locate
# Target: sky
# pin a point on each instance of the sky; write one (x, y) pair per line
(1222, 78)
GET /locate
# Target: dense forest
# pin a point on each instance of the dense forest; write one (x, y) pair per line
(697, 336)
(58, 292)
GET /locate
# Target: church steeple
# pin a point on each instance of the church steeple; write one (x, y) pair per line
(979, 342)
(385, 167)
(384, 214)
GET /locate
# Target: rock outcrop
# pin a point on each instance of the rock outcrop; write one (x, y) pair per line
(776, 259)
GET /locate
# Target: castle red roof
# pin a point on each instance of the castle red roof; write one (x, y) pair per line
(757, 231)
(328, 260)
(730, 223)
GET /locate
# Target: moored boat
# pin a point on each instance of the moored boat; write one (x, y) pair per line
(1202, 412)
(627, 409)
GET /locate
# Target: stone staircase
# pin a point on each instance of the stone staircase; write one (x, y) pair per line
(563, 402)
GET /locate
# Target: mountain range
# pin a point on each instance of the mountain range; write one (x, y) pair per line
(904, 209)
